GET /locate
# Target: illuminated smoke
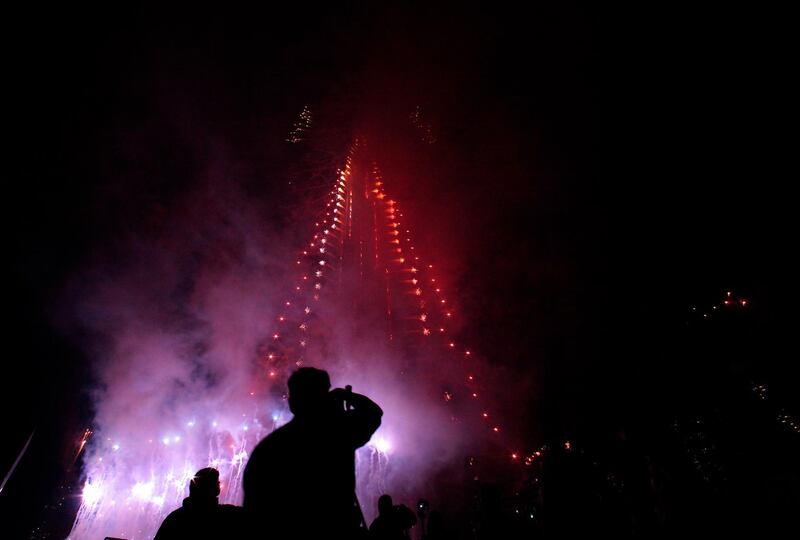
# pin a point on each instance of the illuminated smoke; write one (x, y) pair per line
(183, 335)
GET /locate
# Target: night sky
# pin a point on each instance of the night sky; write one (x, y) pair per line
(597, 172)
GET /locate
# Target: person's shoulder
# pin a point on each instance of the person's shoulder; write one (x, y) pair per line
(176, 514)
(230, 511)
(271, 437)
(170, 524)
(284, 430)
(378, 525)
(274, 440)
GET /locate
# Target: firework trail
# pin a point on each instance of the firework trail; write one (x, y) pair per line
(16, 462)
(199, 380)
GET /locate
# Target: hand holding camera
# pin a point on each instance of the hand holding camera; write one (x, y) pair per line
(342, 396)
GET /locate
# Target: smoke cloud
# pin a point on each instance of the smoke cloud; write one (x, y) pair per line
(175, 312)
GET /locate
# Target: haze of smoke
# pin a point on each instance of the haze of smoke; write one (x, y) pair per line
(173, 320)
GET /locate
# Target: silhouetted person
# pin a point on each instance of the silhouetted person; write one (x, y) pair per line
(300, 480)
(435, 530)
(392, 522)
(201, 515)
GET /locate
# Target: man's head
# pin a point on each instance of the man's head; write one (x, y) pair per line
(205, 484)
(384, 504)
(308, 391)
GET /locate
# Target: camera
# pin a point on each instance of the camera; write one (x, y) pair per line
(339, 397)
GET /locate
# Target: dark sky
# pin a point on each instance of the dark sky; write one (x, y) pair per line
(597, 171)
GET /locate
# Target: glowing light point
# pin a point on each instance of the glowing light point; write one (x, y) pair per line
(91, 493)
(142, 490)
(382, 445)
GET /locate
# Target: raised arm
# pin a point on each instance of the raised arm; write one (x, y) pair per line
(363, 416)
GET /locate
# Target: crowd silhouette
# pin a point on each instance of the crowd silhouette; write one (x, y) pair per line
(201, 515)
(393, 521)
(300, 480)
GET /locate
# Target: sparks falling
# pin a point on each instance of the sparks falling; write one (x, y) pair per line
(368, 302)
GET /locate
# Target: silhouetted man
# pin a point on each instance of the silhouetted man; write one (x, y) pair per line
(201, 516)
(300, 480)
(392, 522)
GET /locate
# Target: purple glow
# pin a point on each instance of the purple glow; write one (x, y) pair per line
(164, 362)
